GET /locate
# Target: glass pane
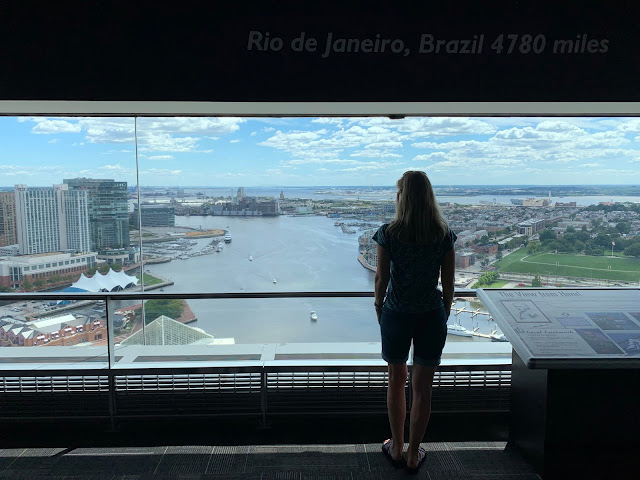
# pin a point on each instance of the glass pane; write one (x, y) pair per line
(76, 328)
(63, 216)
(224, 331)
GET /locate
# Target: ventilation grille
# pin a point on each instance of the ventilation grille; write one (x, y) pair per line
(212, 394)
(241, 394)
(62, 384)
(365, 392)
(481, 391)
(54, 397)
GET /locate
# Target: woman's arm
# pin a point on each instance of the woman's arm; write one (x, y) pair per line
(382, 279)
(447, 278)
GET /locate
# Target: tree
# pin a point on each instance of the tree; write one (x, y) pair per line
(104, 268)
(632, 250)
(623, 227)
(536, 282)
(91, 271)
(54, 279)
(547, 234)
(170, 308)
(116, 267)
(26, 285)
(39, 283)
(487, 279)
(499, 256)
(6, 289)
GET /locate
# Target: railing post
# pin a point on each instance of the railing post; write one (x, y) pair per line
(110, 311)
(263, 397)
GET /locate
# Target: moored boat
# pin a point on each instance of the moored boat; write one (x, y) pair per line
(457, 329)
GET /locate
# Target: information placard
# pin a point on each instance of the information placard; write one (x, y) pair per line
(569, 328)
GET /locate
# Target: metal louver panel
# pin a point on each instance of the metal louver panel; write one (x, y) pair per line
(54, 397)
(211, 394)
(365, 392)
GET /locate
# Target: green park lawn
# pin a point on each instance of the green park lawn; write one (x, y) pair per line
(498, 284)
(149, 279)
(570, 265)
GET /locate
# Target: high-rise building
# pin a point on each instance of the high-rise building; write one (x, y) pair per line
(155, 215)
(73, 208)
(108, 211)
(51, 219)
(8, 233)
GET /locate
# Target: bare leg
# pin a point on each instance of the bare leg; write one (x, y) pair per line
(397, 406)
(421, 381)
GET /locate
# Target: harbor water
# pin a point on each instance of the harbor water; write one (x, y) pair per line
(284, 254)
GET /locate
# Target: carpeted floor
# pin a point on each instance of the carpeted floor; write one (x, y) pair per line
(446, 460)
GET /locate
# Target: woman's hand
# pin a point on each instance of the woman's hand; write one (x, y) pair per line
(378, 313)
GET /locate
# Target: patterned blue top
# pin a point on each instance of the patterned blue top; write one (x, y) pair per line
(415, 268)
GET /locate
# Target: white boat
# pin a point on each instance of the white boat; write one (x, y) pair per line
(250, 258)
(274, 280)
(498, 337)
(457, 329)
(313, 315)
(227, 238)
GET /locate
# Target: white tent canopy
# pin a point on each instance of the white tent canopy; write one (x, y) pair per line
(110, 282)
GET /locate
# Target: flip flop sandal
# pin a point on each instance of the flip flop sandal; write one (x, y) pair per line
(422, 456)
(386, 450)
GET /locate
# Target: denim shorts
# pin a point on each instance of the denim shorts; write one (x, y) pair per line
(428, 330)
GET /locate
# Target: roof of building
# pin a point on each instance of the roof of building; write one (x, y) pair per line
(105, 283)
(167, 331)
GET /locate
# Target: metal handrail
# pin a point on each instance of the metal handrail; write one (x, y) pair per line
(111, 297)
(196, 296)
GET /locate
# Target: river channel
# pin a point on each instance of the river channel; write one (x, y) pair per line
(302, 254)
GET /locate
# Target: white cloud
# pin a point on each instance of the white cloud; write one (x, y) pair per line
(431, 157)
(253, 134)
(160, 157)
(370, 153)
(590, 165)
(48, 127)
(160, 172)
(431, 126)
(235, 140)
(327, 120)
(53, 140)
(117, 166)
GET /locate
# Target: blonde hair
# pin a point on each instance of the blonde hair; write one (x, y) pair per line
(418, 217)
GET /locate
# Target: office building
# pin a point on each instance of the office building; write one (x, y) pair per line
(155, 215)
(8, 234)
(108, 211)
(51, 219)
(15, 270)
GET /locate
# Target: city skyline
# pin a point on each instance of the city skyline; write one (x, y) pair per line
(373, 151)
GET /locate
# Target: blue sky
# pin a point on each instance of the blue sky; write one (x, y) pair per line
(41, 151)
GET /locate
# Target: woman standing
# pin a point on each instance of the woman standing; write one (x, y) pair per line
(413, 251)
